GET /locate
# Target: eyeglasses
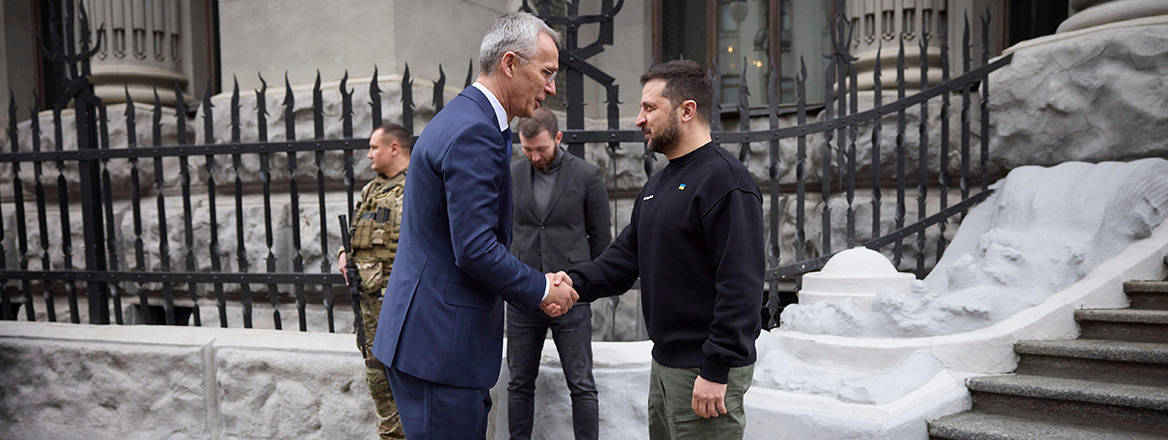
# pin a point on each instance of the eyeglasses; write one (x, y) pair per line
(546, 72)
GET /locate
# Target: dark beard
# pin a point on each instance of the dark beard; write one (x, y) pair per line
(665, 140)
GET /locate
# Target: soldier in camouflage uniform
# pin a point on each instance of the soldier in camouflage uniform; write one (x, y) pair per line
(374, 230)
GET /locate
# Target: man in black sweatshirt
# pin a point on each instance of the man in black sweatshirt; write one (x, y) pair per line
(696, 241)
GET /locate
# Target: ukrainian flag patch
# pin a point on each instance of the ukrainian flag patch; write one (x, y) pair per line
(681, 187)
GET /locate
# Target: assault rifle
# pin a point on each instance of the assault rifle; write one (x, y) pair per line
(353, 279)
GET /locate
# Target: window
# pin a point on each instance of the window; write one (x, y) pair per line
(805, 31)
(743, 40)
(742, 35)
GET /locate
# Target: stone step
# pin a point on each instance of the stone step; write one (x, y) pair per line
(1139, 408)
(973, 425)
(1137, 363)
(1123, 324)
(1148, 295)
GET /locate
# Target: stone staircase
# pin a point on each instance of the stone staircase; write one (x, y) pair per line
(1111, 383)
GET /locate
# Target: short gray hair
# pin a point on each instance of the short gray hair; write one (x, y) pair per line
(515, 32)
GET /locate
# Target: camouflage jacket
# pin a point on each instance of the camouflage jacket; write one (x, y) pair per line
(374, 229)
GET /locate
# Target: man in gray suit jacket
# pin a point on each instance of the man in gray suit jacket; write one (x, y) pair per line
(561, 218)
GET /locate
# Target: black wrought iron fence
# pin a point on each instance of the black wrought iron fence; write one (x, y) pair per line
(832, 138)
(838, 130)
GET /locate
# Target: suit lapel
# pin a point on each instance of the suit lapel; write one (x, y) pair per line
(562, 179)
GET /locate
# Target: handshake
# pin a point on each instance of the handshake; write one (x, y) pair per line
(561, 296)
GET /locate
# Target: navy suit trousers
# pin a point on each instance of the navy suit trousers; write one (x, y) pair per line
(432, 411)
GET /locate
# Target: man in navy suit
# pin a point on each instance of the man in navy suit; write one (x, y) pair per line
(440, 331)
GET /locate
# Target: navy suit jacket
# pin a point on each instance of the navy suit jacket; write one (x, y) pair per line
(442, 316)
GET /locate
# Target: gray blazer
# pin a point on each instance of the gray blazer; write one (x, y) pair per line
(576, 226)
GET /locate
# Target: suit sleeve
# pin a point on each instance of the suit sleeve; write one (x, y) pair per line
(614, 271)
(734, 238)
(596, 215)
(472, 175)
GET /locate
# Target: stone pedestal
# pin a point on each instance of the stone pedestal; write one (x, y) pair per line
(857, 274)
(1091, 95)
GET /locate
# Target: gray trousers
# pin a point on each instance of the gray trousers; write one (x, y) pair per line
(573, 335)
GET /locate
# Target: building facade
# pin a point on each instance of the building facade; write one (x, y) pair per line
(208, 44)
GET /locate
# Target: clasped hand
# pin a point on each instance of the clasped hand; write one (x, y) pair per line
(561, 296)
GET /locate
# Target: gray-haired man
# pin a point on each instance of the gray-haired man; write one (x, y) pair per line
(440, 334)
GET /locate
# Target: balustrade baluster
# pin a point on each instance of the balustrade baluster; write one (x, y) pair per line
(108, 204)
(800, 162)
(216, 265)
(136, 208)
(877, 125)
(923, 156)
(294, 202)
(66, 229)
(18, 199)
(825, 178)
(163, 239)
(898, 246)
(42, 220)
(985, 101)
(266, 182)
(965, 60)
(318, 134)
(241, 259)
(773, 172)
(180, 117)
(943, 178)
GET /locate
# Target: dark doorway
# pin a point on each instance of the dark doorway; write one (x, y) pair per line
(1035, 18)
(52, 73)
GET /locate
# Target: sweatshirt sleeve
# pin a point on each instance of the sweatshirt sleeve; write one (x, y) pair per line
(614, 271)
(734, 237)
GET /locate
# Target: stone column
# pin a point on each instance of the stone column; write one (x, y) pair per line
(142, 46)
(1092, 13)
(881, 24)
(1079, 5)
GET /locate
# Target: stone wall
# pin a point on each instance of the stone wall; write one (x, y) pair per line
(1092, 95)
(65, 381)
(61, 380)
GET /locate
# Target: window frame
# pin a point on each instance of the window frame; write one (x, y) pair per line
(712, 23)
(775, 30)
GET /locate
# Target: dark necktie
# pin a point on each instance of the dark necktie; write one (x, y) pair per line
(505, 194)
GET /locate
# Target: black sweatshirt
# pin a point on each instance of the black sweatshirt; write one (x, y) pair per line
(696, 240)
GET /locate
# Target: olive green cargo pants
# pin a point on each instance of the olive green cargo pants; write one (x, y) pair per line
(671, 415)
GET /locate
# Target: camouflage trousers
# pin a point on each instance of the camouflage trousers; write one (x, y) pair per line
(388, 422)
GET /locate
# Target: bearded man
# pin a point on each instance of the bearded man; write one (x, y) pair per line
(695, 239)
